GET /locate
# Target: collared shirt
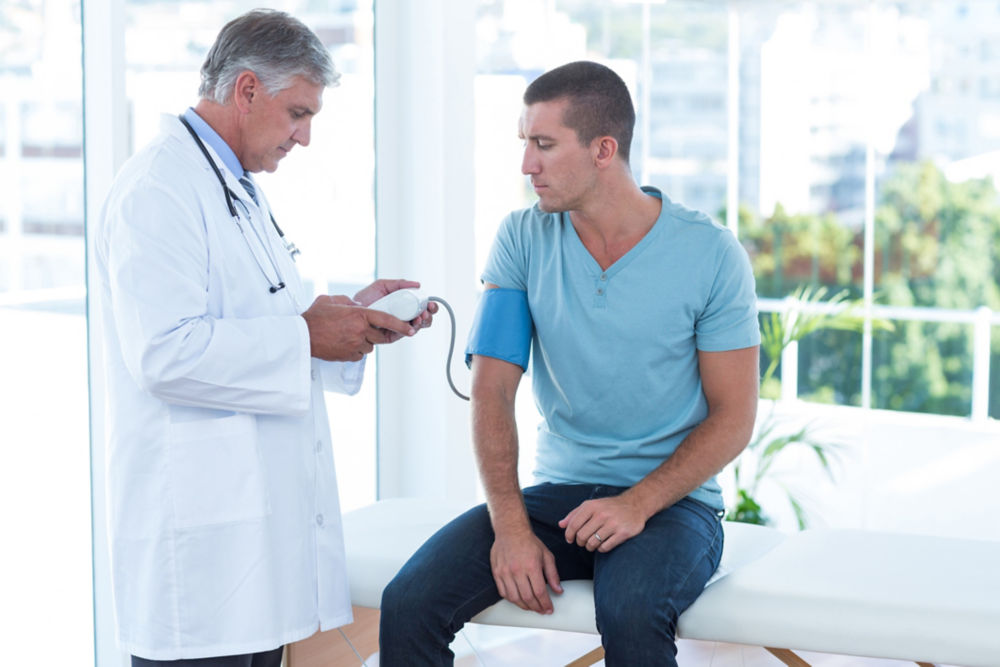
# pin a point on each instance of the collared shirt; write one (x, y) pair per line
(212, 138)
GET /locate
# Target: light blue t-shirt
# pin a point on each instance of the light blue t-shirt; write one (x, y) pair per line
(614, 356)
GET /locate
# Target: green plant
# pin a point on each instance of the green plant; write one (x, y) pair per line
(765, 448)
(808, 312)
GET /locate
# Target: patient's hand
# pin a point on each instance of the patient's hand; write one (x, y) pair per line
(522, 566)
(602, 524)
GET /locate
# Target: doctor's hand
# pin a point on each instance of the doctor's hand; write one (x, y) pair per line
(383, 286)
(339, 330)
(602, 524)
(522, 566)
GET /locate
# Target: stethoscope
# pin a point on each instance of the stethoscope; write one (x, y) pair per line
(231, 198)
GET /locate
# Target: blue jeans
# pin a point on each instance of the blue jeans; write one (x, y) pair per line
(640, 587)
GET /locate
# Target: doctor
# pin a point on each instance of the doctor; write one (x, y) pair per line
(225, 529)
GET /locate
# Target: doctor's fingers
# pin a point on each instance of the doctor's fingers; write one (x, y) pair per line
(382, 287)
(339, 332)
(389, 285)
(424, 319)
(385, 325)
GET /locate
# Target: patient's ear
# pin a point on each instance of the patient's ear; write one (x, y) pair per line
(604, 150)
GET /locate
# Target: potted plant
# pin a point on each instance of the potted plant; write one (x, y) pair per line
(809, 311)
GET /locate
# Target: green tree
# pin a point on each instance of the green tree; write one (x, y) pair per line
(937, 244)
(792, 251)
(936, 247)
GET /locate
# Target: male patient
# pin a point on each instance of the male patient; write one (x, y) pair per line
(641, 320)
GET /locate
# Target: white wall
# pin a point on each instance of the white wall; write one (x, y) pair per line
(425, 211)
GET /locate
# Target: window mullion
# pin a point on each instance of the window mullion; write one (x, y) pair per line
(869, 222)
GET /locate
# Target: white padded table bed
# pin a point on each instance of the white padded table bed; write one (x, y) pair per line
(929, 600)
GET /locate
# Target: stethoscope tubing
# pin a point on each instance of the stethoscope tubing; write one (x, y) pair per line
(231, 197)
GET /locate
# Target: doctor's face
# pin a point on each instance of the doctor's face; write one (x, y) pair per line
(274, 125)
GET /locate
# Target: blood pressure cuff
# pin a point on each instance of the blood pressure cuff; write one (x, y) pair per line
(502, 327)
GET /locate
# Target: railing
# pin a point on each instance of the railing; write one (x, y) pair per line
(982, 319)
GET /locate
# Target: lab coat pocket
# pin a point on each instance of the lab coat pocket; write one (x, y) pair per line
(215, 472)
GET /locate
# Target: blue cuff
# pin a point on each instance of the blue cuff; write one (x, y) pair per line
(502, 327)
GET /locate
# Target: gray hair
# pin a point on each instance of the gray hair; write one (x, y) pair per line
(271, 44)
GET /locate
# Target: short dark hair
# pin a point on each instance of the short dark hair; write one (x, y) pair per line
(599, 101)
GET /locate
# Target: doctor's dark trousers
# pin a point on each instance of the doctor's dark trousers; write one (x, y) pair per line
(262, 659)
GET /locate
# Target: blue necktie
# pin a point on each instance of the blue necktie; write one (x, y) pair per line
(248, 186)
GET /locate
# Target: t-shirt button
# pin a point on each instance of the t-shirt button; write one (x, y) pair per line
(600, 291)
(604, 276)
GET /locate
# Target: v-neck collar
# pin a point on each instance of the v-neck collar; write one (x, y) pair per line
(592, 264)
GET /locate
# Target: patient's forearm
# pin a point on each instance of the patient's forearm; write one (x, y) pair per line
(494, 435)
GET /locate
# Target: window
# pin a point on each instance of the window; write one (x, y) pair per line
(44, 473)
(936, 211)
(847, 135)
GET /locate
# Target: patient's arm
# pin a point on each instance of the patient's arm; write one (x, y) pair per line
(522, 565)
(729, 381)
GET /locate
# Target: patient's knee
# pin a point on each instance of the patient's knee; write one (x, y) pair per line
(404, 594)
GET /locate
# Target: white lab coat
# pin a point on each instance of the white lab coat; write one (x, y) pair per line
(224, 520)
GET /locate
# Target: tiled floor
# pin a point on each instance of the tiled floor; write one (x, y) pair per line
(482, 646)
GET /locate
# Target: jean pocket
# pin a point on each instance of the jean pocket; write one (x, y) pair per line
(215, 472)
(605, 491)
(710, 517)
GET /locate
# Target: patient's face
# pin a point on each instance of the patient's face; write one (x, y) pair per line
(561, 169)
